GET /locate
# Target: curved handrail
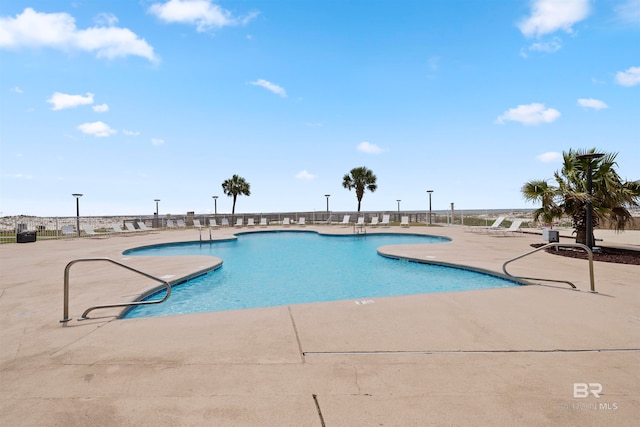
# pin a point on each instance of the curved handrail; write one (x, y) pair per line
(65, 314)
(549, 245)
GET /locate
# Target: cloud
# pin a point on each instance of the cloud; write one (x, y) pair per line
(303, 174)
(157, 141)
(98, 129)
(16, 89)
(59, 31)
(629, 11)
(531, 114)
(596, 104)
(549, 16)
(204, 14)
(270, 87)
(130, 132)
(61, 101)
(628, 77)
(367, 147)
(22, 176)
(550, 157)
(102, 108)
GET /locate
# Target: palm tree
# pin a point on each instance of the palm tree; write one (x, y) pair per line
(360, 178)
(611, 196)
(234, 186)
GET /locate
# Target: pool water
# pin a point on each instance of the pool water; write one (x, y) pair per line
(266, 269)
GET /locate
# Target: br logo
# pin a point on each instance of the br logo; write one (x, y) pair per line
(583, 390)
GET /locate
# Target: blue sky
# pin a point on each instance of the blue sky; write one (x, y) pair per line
(126, 102)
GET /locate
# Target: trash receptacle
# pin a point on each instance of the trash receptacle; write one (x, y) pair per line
(26, 237)
(554, 236)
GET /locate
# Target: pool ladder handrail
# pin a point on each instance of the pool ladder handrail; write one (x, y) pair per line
(549, 245)
(66, 317)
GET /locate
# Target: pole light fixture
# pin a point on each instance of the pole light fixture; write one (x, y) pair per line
(590, 157)
(327, 196)
(77, 196)
(398, 205)
(215, 206)
(157, 218)
(429, 191)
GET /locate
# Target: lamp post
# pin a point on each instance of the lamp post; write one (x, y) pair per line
(215, 206)
(157, 218)
(398, 205)
(429, 191)
(77, 196)
(589, 158)
(327, 196)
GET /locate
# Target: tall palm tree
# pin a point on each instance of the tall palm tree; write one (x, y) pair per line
(234, 186)
(360, 178)
(611, 196)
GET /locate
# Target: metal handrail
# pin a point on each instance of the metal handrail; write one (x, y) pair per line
(549, 245)
(65, 314)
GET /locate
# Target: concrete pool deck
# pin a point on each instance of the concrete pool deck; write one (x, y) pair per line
(508, 356)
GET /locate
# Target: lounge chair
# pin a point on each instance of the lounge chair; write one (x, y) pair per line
(213, 223)
(481, 228)
(239, 223)
(196, 223)
(225, 222)
(263, 222)
(404, 221)
(251, 222)
(117, 230)
(375, 221)
(302, 221)
(89, 231)
(143, 227)
(345, 221)
(513, 229)
(181, 223)
(286, 222)
(385, 221)
(68, 231)
(360, 222)
(130, 227)
(170, 224)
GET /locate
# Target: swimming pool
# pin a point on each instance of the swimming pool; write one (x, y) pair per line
(264, 269)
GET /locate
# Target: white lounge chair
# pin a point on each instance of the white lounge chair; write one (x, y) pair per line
(375, 221)
(385, 221)
(225, 222)
(89, 231)
(404, 221)
(286, 222)
(143, 227)
(213, 223)
(196, 223)
(360, 222)
(302, 221)
(117, 230)
(481, 228)
(171, 224)
(68, 231)
(251, 222)
(181, 223)
(263, 222)
(345, 221)
(328, 221)
(513, 229)
(239, 223)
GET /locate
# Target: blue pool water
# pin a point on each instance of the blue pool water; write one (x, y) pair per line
(280, 268)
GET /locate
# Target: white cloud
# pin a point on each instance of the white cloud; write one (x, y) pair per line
(130, 132)
(157, 141)
(629, 11)
(367, 147)
(204, 14)
(303, 174)
(270, 87)
(596, 104)
(549, 16)
(550, 157)
(531, 114)
(548, 47)
(59, 31)
(106, 19)
(22, 176)
(61, 101)
(98, 129)
(628, 77)
(102, 108)
(16, 89)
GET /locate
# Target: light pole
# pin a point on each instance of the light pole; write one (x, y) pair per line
(429, 191)
(157, 218)
(77, 196)
(327, 196)
(215, 206)
(398, 207)
(589, 158)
